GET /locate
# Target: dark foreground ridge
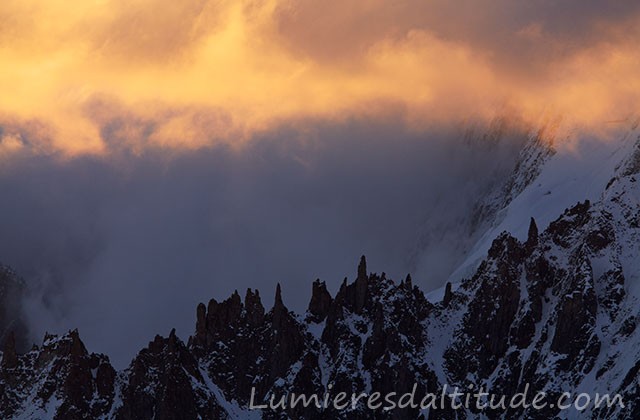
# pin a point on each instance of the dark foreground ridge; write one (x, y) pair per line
(535, 312)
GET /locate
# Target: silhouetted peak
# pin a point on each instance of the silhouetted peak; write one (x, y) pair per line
(212, 304)
(278, 299)
(447, 295)
(407, 282)
(279, 312)
(73, 344)
(221, 316)
(64, 344)
(201, 319)
(361, 286)
(251, 296)
(506, 246)
(320, 300)
(235, 297)
(157, 344)
(362, 268)
(342, 292)
(253, 307)
(532, 236)
(173, 341)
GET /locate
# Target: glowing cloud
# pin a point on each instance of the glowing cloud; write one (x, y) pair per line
(88, 76)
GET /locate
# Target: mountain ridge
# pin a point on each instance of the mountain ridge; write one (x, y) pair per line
(553, 310)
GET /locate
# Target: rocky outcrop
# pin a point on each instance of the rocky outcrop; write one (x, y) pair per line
(59, 380)
(320, 301)
(164, 381)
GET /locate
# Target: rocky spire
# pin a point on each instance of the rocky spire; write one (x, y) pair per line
(236, 301)
(344, 284)
(201, 320)
(77, 348)
(173, 341)
(362, 269)
(361, 285)
(447, 295)
(408, 282)
(279, 311)
(286, 339)
(320, 301)
(278, 300)
(532, 236)
(224, 315)
(254, 308)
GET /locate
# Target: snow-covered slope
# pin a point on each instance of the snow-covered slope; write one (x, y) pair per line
(552, 175)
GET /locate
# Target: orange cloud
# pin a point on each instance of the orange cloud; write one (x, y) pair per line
(150, 73)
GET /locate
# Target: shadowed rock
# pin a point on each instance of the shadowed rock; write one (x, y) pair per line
(361, 285)
(320, 301)
(532, 236)
(447, 295)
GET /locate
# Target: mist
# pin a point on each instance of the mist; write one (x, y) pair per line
(123, 246)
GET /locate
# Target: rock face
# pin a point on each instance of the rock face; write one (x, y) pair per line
(556, 311)
(165, 382)
(320, 301)
(60, 380)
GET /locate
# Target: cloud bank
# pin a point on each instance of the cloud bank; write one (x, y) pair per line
(199, 72)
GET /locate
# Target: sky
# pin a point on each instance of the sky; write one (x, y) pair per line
(86, 76)
(155, 154)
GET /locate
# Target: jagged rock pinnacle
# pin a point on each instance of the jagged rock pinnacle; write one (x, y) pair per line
(77, 346)
(320, 300)
(278, 300)
(447, 295)
(362, 268)
(201, 319)
(532, 236)
(254, 308)
(173, 341)
(361, 285)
